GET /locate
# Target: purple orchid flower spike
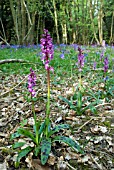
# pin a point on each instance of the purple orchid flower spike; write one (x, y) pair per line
(47, 49)
(31, 82)
(80, 59)
(106, 64)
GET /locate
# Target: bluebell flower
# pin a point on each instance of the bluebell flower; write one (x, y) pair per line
(106, 78)
(62, 56)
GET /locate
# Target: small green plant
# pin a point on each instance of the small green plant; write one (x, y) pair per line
(76, 102)
(42, 134)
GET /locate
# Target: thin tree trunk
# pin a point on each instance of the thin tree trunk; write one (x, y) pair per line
(19, 21)
(23, 22)
(111, 29)
(92, 22)
(100, 22)
(56, 22)
(14, 15)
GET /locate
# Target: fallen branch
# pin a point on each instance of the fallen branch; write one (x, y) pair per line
(13, 61)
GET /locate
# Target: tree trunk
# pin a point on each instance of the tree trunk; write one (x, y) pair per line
(14, 15)
(92, 22)
(100, 22)
(112, 29)
(64, 33)
(56, 22)
(23, 13)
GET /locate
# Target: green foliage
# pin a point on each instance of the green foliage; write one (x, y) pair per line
(58, 128)
(45, 150)
(18, 144)
(78, 107)
(26, 133)
(15, 135)
(23, 153)
(70, 142)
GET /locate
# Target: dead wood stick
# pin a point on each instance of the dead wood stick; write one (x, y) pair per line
(13, 87)
(98, 166)
(13, 61)
(84, 124)
(70, 166)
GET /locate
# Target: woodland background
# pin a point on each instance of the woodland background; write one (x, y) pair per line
(69, 21)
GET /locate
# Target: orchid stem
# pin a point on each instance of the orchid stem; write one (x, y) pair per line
(33, 110)
(48, 95)
(48, 102)
(80, 82)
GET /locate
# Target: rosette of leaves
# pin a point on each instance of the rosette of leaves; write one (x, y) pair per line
(77, 104)
(42, 145)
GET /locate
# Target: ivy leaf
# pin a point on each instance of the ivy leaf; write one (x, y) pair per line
(45, 150)
(23, 153)
(26, 133)
(18, 144)
(59, 127)
(70, 142)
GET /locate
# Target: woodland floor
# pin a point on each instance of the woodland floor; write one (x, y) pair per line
(94, 132)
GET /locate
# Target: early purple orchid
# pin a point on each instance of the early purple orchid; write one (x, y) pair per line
(31, 82)
(106, 64)
(47, 50)
(80, 59)
(102, 55)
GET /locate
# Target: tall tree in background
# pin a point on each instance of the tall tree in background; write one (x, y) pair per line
(100, 20)
(69, 21)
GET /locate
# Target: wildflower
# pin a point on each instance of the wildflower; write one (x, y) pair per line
(94, 65)
(47, 49)
(62, 56)
(106, 78)
(80, 59)
(31, 82)
(106, 64)
(102, 54)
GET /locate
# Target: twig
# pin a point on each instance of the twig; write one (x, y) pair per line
(98, 166)
(69, 165)
(102, 104)
(84, 124)
(13, 87)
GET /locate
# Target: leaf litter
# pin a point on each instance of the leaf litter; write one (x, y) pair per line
(94, 132)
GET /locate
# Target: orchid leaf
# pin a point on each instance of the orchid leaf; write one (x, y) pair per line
(37, 150)
(15, 135)
(26, 133)
(45, 150)
(59, 127)
(18, 144)
(23, 153)
(70, 142)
